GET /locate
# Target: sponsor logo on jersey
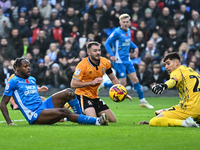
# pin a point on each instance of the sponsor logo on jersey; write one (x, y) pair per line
(77, 72)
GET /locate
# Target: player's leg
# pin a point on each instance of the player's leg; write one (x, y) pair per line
(143, 103)
(173, 117)
(67, 95)
(110, 114)
(90, 112)
(51, 116)
(121, 70)
(86, 106)
(101, 107)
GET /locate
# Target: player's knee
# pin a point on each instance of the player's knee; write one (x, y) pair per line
(70, 94)
(112, 120)
(153, 121)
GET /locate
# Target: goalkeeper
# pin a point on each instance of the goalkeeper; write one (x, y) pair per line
(187, 82)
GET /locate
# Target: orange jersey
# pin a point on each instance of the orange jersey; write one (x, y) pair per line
(86, 71)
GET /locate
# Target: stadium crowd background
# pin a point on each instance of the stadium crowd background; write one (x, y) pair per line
(52, 34)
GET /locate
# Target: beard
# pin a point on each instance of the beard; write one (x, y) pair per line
(95, 58)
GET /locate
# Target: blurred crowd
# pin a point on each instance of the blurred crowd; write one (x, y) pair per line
(53, 35)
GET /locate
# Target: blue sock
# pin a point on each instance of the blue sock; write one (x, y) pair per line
(108, 84)
(139, 90)
(86, 120)
(75, 106)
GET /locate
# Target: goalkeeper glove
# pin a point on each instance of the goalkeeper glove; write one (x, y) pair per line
(159, 88)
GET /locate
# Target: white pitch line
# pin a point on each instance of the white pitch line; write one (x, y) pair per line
(14, 120)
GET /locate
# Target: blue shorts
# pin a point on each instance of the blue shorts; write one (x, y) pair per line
(123, 68)
(47, 104)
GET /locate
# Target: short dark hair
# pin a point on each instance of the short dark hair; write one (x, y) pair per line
(171, 56)
(18, 62)
(89, 45)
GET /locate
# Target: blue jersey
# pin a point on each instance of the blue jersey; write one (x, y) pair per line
(121, 41)
(25, 94)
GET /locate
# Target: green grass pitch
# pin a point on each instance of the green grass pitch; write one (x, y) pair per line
(126, 134)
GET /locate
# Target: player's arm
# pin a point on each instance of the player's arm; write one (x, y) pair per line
(42, 89)
(79, 84)
(4, 110)
(135, 49)
(159, 88)
(111, 39)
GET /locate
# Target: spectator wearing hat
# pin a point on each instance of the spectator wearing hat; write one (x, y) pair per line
(56, 78)
(45, 9)
(149, 20)
(53, 17)
(40, 71)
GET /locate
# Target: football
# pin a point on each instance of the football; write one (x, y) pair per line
(118, 93)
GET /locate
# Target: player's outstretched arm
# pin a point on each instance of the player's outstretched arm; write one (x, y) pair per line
(4, 101)
(79, 84)
(159, 88)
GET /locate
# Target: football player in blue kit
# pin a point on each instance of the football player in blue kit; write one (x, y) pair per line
(23, 88)
(120, 40)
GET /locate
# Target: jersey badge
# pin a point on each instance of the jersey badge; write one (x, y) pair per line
(77, 72)
(103, 70)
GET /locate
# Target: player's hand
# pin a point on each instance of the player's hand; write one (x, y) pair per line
(112, 58)
(159, 88)
(43, 89)
(129, 97)
(42, 98)
(97, 80)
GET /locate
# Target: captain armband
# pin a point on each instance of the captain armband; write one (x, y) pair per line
(171, 83)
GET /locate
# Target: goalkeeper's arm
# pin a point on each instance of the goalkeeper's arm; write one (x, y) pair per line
(171, 83)
(159, 88)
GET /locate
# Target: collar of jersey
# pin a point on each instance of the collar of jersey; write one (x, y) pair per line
(94, 65)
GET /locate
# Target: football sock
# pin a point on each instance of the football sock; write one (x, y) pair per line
(87, 120)
(139, 90)
(75, 106)
(165, 122)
